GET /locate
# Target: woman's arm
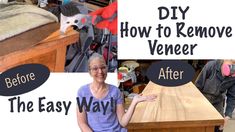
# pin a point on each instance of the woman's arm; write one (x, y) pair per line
(123, 117)
(205, 74)
(82, 121)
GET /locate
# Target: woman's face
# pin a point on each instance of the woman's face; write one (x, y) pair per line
(98, 70)
(227, 68)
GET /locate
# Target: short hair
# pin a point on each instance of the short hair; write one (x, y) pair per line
(95, 56)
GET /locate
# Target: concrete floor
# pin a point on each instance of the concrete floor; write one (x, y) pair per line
(230, 127)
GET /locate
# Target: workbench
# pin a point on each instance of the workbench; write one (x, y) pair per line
(44, 45)
(176, 109)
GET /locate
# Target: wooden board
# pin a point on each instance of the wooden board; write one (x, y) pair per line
(50, 52)
(176, 109)
(27, 39)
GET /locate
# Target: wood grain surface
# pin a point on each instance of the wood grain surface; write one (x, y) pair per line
(175, 107)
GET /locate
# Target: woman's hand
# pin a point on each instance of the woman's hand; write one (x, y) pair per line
(141, 98)
(123, 117)
(225, 122)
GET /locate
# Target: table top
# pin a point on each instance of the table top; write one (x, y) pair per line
(53, 41)
(174, 107)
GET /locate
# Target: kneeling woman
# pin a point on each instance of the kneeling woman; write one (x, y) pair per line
(107, 110)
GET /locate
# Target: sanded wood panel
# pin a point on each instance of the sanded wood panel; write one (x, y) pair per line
(186, 129)
(175, 108)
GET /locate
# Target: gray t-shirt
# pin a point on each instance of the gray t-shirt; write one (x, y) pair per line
(101, 113)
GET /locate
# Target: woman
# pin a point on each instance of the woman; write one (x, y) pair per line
(217, 81)
(100, 105)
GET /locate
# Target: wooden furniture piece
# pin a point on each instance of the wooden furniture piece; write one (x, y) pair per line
(176, 109)
(49, 51)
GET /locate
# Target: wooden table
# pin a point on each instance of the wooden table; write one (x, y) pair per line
(177, 109)
(50, 52)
